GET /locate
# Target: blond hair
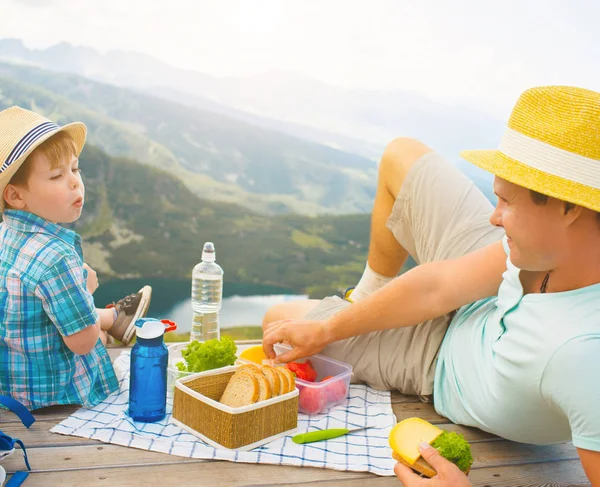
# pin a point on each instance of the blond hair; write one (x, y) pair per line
(55, 149)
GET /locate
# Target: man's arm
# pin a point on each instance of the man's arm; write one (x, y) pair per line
(591, 464)
(423, 293)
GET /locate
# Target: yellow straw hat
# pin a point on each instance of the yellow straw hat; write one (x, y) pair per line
(551, 145)
(21, 131)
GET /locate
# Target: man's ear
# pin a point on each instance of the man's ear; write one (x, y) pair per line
(12, 196)
(572, 213)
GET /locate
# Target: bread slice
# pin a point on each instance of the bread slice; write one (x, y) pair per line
(242, 390)
(271, 374)
(421, 466)
(291, 377)
(248, 368)
(264, 387)
(285, 382)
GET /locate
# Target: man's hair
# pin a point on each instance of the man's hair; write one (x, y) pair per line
(542, 199)
(55, 148)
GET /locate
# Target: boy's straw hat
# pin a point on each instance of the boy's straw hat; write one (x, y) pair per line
(551, 145)
(21, 131)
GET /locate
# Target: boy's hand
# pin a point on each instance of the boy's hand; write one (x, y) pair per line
(92, 279)
(448, 474)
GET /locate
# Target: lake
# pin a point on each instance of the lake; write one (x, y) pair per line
(243, 304)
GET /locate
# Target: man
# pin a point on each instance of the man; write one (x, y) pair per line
(520, 358)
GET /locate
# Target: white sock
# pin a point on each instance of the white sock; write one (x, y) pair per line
(368, 284)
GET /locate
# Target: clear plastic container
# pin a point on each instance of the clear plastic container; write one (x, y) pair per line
(316, 397)
(173, 373)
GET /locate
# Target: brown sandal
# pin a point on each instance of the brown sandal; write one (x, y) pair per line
(129, 309)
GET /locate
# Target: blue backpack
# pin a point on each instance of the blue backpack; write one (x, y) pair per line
(7, 444)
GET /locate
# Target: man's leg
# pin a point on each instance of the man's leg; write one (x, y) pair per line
(386, 256)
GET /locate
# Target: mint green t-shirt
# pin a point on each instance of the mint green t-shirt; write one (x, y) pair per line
(526, 368)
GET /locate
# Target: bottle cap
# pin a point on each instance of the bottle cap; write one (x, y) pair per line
(208, 252)
(149, 328)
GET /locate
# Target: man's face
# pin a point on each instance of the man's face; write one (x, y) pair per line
(54, 194)
(536, 233)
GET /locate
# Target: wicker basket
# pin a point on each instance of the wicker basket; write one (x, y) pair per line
(196, 408)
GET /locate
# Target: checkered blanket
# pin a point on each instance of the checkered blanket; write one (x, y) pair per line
(363, 451)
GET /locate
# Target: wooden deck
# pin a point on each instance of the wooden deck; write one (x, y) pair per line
(59, 460)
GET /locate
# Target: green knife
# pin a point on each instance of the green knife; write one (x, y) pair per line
(324, 434)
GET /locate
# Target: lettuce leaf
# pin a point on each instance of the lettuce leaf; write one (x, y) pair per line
(208, 355)
(455, 448)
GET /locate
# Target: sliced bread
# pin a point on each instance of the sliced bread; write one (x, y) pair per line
(285, 382)
(273, 377)
(264, 387)
(291, 377)
(242, 390)
(248, 368)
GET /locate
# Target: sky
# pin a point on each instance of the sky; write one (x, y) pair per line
(480, 52)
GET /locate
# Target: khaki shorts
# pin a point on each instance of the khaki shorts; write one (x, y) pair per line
(439, 214)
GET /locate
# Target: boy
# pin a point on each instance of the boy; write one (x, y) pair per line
(51, 334)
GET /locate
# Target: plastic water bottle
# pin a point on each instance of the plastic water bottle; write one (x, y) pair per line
(148, 371)
(207, 295)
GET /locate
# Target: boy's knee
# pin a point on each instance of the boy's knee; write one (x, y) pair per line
(398, 157)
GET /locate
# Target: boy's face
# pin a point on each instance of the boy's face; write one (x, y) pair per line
(55, 194)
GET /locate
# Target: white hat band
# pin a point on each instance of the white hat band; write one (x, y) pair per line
(550, 159)
(26, 141)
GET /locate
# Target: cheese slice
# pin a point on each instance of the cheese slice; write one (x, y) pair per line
(407, 434)
(254, 354)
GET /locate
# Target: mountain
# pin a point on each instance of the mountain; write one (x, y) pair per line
(217, 156)
(143, 222)
(312, 108)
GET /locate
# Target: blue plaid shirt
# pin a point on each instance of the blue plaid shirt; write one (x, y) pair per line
(43, 297)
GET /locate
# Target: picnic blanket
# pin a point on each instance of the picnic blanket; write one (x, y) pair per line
(363, 451)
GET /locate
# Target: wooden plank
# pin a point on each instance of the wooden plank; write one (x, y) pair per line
(504, 452)
(226, 474)
(207, 474)
(52, 413)
(404, 410)
(486, 454)
(568, 473)
(38, 435)
(398, 397)
(89, 456)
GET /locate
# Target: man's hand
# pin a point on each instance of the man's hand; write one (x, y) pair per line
(92, 279)
(448, 474)
(306, 337)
